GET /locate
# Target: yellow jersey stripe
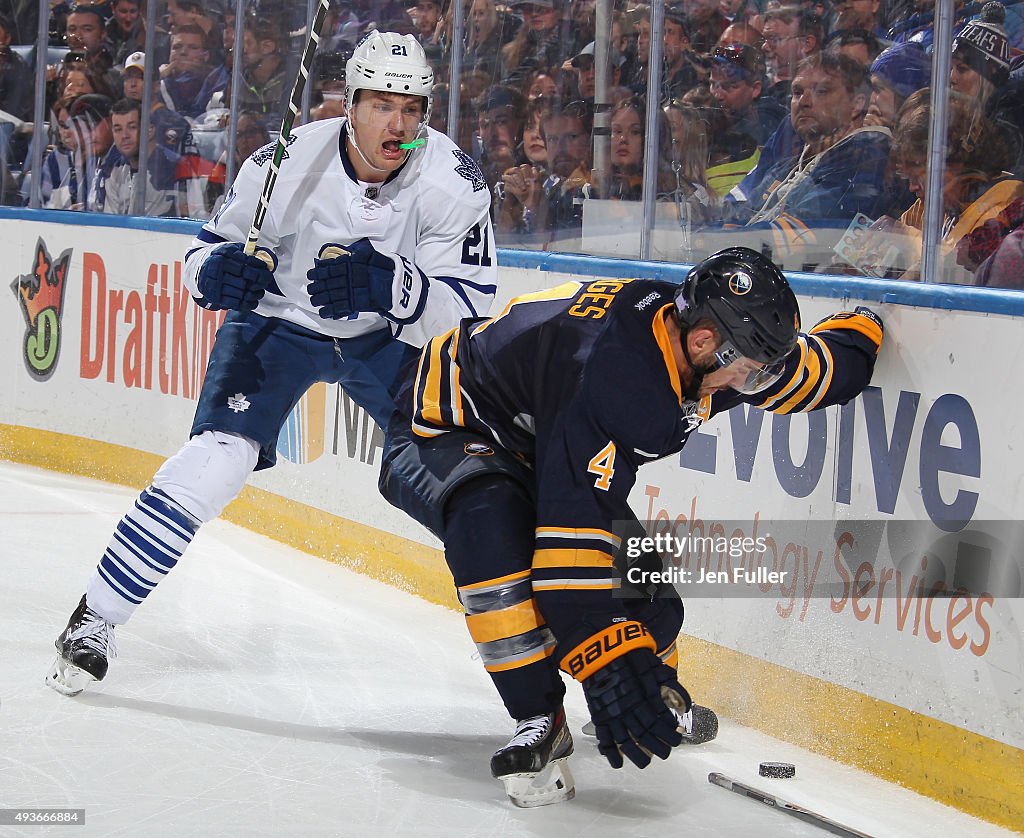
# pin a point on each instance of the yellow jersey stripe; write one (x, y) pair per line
(508, 622)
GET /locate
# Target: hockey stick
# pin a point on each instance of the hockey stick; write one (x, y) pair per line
(286, 127)
(799, 812)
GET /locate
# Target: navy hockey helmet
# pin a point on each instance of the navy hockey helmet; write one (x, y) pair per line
(751, 304)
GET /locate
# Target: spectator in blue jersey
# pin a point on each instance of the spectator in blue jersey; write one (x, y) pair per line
(186, 71)
(96, 155)
(841, 168)
(163, 193)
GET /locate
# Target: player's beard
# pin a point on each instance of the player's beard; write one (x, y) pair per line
(697, 372)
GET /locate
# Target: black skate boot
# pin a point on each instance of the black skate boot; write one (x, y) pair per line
(83, 651)
(534, 764)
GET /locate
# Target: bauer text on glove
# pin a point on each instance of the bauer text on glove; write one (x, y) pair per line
(358, 278)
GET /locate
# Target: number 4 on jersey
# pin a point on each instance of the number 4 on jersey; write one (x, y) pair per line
(603, 465)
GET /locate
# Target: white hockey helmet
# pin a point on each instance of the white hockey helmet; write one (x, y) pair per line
(390, 63)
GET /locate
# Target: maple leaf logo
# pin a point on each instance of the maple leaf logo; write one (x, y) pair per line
(41, 294)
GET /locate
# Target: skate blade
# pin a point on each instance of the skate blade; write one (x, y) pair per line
(553, 784)
(66, 678)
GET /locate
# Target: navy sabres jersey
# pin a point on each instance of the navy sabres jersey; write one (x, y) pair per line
(581, 382)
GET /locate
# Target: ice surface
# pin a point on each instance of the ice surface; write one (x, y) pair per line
(262, 691)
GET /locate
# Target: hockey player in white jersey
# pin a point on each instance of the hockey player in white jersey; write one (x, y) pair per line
(375, 213)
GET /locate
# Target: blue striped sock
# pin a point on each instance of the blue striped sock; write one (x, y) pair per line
(146, 545)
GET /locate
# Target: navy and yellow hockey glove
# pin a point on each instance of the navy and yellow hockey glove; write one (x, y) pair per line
(626, 686)
(228, 278)
(358, 278)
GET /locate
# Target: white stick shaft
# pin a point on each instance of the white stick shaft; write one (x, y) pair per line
(785, 806)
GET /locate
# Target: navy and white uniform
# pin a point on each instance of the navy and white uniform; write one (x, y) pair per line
(569, 391)
(431, 215)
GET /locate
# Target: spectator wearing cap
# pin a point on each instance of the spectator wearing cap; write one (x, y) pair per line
(705, 24)
(898, 72)
(790, 35)
(427, 21)
(172, 129)
(538, 45)
(682, 68)
(742, 33)
(861, 15)
(981, 71)
(125, 32)
(859, 44)
(584, 65)
(95, 153)
(162, 193)
(500, 128)
(744, 120)
(15, 76)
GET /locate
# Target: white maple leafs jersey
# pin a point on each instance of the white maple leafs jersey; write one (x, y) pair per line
(434, 212)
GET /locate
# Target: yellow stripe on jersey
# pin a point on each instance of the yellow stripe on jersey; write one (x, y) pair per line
(506, 622)
(826, 379)
(665, 345)
(546, 558)
(812, 369)
(430, 401)
(853, 321)
(455, 389)
(565, 291)
(794, 380)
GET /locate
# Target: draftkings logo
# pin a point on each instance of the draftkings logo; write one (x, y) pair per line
(41, 293)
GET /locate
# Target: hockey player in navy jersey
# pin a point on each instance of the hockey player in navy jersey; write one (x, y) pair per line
(376, 212)
(526, 433)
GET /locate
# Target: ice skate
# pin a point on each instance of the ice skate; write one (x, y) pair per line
(534, 764)
(83, 651)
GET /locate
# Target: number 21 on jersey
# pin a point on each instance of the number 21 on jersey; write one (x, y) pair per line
(602, 464)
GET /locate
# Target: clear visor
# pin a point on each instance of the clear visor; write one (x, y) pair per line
(744, 374)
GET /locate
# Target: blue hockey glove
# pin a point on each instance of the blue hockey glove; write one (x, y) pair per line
(365, 280)
(627, 695)
(230, 279)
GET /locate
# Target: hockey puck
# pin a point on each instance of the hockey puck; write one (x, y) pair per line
(777, 769)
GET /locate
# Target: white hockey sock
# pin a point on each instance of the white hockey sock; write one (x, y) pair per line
(146, 545)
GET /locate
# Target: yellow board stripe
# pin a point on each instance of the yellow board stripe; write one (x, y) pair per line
(508, 622)
(973, 773)
(546, 558)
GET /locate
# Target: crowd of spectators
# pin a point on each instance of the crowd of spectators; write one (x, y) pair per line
(792, 120)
